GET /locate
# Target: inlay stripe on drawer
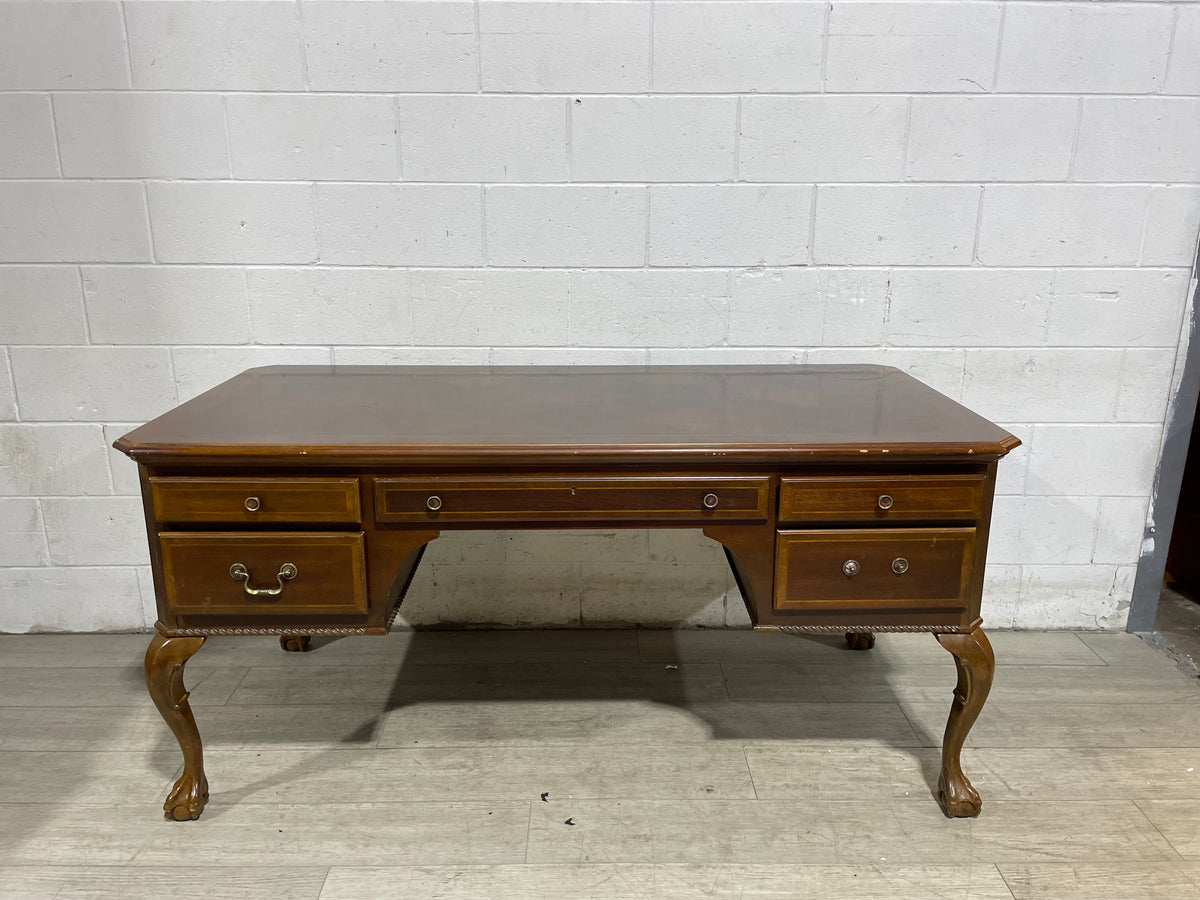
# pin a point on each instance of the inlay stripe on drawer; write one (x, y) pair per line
(264, 573)
(874, 568)
(874, 498)
(572, 499)
(299, 500)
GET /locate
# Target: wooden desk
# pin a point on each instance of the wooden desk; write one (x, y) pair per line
(297, 500)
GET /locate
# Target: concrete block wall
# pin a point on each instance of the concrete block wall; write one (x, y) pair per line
(1001, 198)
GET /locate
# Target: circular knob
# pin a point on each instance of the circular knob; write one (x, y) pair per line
(710, 501)
(850, 568)
(885, 501)
(434, 502)
(253, 504)
(899, 565)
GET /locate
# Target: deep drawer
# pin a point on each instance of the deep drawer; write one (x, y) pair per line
(897, 498)
(300, 500)
(894, 568)
(202, 574)
(583, 499)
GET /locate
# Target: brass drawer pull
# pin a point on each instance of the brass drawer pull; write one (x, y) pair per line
(850, 568)
(899, 565)
(253, 504)
(239, 572)
(710, 501)
(434, 503)
(885, 501)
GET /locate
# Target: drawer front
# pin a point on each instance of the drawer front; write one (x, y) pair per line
(251, 500)
(327, 573)
(583, 499)
(899, 498)
(895, 568)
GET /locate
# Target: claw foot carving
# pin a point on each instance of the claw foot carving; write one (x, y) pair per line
(294, 643)
(958, 798)
(860, 640)
(187, 798)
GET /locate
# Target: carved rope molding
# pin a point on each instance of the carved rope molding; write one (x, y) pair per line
(280, 630)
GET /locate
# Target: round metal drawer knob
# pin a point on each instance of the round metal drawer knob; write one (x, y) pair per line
(434, 502)
(899, 565)
(850, 568)
(253, 504)
(885, 501)
(710, 501)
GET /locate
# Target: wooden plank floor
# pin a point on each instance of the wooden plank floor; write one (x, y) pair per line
(586, 764)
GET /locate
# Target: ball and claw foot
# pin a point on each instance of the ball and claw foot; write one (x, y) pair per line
(187, 799)
(860, 640)
(294, 643)
(958, 799)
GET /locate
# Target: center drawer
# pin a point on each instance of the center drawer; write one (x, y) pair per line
(276, 574)
(863, 569)
(582, 499)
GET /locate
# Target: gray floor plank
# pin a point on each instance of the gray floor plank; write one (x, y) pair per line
(179, 882)
(1100, 881)
(109, 686)
(551, 723)
(73, 727)
(668, 882)
(384, 685)
(695, 771)
(271, 728)
(1178, 821)
(790, 770)
(298, 834)
(928, 684)
(823, 832)
(1046, 723)
(1123, 649)
(136, 777)
(1058, 648)
(383, 759)
(63, 651)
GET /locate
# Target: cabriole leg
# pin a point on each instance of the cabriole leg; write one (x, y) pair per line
(976, 663)
(165, 659)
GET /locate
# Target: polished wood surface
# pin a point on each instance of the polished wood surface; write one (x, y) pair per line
(309, 414)
(298, 501)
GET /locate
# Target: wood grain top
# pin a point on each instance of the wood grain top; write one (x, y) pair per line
(322, 414)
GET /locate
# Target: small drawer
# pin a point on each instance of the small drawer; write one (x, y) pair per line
(582, 499)
(300, 500)
(864, 569)
(898, 498)
(277, 573)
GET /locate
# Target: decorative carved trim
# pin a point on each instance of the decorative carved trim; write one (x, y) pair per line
(837, 629)
(282, 629)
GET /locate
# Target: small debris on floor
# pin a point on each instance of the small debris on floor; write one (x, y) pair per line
(569, 822)
(545, 794)
(672, 667)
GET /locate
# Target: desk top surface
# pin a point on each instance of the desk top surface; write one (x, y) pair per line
(579, 413)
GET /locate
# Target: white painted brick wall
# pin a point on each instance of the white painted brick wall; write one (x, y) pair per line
(1002, 198)
(141, 135)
